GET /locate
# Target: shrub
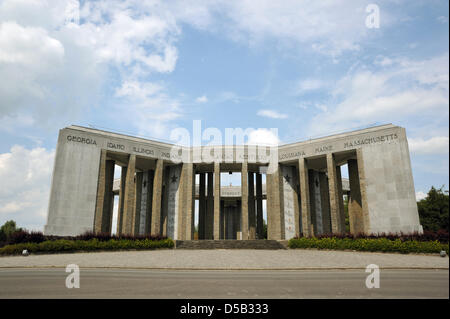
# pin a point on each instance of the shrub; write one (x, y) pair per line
(384, 244)
(24, 236)
(66, 245)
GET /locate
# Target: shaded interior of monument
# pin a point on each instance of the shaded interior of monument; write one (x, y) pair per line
(348, 218)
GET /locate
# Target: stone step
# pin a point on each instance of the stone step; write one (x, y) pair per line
(229, 244)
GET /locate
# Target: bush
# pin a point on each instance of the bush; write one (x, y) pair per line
(24, 236)
(66, 245)
(384, 244)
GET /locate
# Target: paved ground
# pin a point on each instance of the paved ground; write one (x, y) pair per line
(125, 283)
(230, 259)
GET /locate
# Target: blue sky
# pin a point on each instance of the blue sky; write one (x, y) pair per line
(307, 68)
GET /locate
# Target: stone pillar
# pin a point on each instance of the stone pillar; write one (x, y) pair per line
(251, 207)
(238, 220)
(210, 207)
(156, 199)
(137, 214)
(325, 201)
(340, 198)
(223, 220)
(129, 207)
(148, 212)
(336, 226)
(187, 207)
(123, 177)
(315, 201)
(216, 234)
(356, 210)
(201, 206)
(244, 204)
(307, 228)
(103, 211)
(274, 203)
(259, 207)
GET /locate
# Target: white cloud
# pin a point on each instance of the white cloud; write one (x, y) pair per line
(442, 19)
(434, 145)
(406, 89)
(148, 107)
(28, 45)
(272, 114)
(55, 55)
(308, 85)
(420, 195)
(202, 99)
(263, 136)
(24, 190)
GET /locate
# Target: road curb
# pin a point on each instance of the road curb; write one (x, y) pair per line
(224, 268)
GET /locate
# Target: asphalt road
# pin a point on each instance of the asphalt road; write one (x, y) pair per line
(128, 283)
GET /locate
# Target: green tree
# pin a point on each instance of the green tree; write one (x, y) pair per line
(7, 229)
(433, 210)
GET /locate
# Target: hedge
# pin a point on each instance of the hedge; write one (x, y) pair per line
(64, 245)
(373, 245)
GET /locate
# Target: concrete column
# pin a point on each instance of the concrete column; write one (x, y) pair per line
(103, 211)
(138, 196)
(251, 207)
(336, 226)
(305, 198)
(156, 199)
(259, 207)
(165, 202)
(123, 178)
(274, 203)
(187, 206)
(180, 203)
(222, 220)
(216, 200)
(210, 207)
(340, 198)
(325, 202)
(201, 206)
(315, 201)
(148, 214)
(244, 199)
(129, 207)
(238, 220)
(356, 209)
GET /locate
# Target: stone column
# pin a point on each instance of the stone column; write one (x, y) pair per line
(223, 220)
(210, 207)
(129, 207)
(148, 212)
(244, 199)
(138, 196)
(216, 234)
(165, 202)
(356, 209)
(325, 202)
(336, 226)
(305, 198)
(259, 207)
(340, 198)
(274, 203)
(251, 207)
(187, 206)
(156, 199)
(201, 206)
(123, 177)
(315, 201)
(103, 211)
